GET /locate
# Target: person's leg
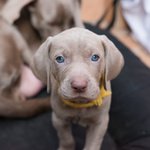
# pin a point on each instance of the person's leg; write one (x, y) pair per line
(130, 109)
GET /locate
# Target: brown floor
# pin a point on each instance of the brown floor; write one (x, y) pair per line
(92, 10)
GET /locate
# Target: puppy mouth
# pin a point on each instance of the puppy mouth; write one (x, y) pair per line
(79, 99)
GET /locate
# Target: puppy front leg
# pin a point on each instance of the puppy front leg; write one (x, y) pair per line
(66, 141)
(95, 134)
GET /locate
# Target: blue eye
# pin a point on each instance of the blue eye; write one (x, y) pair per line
(60, 59)
(95, 57)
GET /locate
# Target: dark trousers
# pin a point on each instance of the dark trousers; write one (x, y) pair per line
(129, 127)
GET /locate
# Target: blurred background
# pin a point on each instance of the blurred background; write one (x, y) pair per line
(94, 10)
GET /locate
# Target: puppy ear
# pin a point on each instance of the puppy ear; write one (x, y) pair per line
(41, 63)
(114, 60)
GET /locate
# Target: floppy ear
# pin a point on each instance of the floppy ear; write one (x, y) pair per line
(114, 60)
(41, 63)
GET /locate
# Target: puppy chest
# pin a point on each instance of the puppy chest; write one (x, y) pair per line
(84, 116)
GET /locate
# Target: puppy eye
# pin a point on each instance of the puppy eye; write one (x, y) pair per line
(95, 57)
(60, 59)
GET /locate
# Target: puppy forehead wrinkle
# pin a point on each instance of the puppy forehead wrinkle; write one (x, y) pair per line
(77, 38)
(59, 51)
(75, 51)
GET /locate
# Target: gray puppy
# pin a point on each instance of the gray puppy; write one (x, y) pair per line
(43, 18)
(50, 17)
(77, 66)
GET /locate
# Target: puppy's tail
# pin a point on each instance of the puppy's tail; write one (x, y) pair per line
(23, 109)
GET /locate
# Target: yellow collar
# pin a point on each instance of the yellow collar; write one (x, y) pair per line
(97, 102)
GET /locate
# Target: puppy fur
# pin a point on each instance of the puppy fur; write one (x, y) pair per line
(13, 54)
(43, 18)
(65, 62)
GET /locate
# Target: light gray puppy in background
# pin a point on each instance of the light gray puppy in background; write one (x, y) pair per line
(43, 18)
(50, 17)
(77, 65)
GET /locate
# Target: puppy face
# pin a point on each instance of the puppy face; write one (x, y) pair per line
(77, 67)
(50, 17)
(77, 59)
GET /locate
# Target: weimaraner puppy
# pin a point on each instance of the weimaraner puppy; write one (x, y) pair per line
(77, 66)
(50, 17)
(13, 54)
(43, 18)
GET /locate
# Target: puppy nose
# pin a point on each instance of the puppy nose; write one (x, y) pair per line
(79, 85)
